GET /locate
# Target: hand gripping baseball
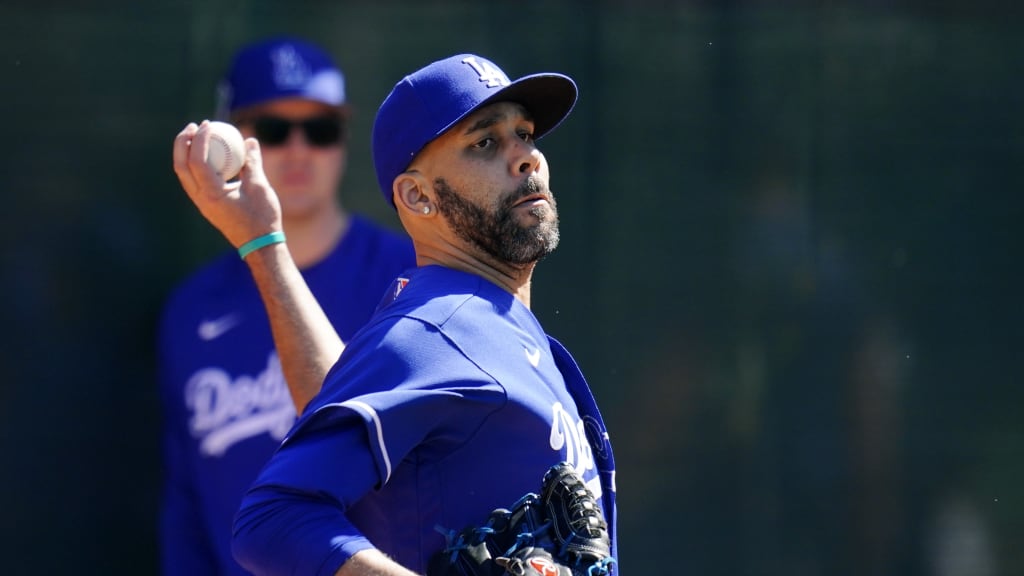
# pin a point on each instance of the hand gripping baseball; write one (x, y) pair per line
(242, 209)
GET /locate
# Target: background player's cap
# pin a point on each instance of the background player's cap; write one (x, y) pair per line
(426, 103)
(276, 68)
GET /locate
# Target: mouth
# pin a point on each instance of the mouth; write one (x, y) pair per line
(532, 200)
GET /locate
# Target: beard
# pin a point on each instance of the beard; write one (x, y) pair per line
(497, 232)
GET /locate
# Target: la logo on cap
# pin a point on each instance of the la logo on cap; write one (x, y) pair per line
(290, 70)
(488, 72)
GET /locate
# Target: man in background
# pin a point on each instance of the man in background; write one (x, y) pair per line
(226, 400)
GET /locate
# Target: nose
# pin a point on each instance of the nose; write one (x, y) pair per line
(296, 139)
(527, 159)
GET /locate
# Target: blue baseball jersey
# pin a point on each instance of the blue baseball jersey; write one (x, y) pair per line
(450, 403)
(225, 403)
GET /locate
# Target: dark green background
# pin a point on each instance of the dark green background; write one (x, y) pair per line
(791, 263)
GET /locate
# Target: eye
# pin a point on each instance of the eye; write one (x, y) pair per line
(526, 135)
(484, 144)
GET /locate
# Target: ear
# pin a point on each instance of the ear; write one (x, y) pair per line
(411, 192)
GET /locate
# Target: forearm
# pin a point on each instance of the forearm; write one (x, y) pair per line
(306, 341)
(247, 209)
(372, 562)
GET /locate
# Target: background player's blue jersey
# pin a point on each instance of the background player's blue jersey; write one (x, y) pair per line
(452, 402)
(225, 403)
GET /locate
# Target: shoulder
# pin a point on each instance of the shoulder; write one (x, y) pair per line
(443, 314)
(415, 331)
(375, 236)
(401, 354)
(401, 342)
(221, 276)
(437, 295)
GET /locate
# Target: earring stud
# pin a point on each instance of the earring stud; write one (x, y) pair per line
(426, 209)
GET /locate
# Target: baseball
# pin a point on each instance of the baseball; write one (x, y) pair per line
(227, 150)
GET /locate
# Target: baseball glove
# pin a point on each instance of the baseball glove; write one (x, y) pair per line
(558, 532)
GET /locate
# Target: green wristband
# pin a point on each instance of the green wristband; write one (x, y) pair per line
(257, 243)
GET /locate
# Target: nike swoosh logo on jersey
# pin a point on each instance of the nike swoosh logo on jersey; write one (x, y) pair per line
(533, 358)
(213, 329)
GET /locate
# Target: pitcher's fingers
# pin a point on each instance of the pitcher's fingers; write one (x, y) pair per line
(200, 146)
(180, 154)
(208, 182)
(253, 158)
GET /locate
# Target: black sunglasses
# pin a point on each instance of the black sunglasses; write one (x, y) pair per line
(320, 131)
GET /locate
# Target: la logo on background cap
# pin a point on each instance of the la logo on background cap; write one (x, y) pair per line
(280, 68)
(426, 103)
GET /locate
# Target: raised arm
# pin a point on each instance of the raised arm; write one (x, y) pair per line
(306, 341)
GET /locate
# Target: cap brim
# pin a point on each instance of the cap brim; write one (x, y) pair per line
(548, 97)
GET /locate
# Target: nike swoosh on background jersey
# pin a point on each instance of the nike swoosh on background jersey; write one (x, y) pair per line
(533, 358)
(213, 329)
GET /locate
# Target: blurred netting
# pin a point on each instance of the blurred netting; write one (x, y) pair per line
(790, 263)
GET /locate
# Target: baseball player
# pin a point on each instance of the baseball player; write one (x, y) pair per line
(225, 402)
(452, 401)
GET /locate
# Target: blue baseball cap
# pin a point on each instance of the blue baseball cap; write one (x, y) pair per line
(280, 68)
(426, 103)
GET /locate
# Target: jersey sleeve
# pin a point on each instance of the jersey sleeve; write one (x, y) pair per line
(378, 405)
(292, 521)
